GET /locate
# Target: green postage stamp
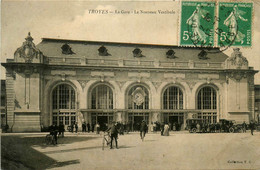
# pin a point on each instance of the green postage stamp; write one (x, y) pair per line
(201, 25)
(197, 24)
(235, 24)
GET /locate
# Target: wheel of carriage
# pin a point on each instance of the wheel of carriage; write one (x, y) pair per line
(231, 130)
(194, 130)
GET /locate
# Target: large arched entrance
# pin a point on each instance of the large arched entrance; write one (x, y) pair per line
(172, 104)
(102, 106)
(64, 105)
(138, 106)
(207, 103)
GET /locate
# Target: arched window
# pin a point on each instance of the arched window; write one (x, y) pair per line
(102, 97)
(207, 98)
(63, 105)
(138, 98)
(173, 98)
(172, 102)
(207, 102)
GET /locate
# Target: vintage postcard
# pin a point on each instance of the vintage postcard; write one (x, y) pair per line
(139, 85)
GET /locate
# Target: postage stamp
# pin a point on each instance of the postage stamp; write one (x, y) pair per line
(234, 24)
(197, 24)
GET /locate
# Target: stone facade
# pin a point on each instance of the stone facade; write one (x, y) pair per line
(74, 81)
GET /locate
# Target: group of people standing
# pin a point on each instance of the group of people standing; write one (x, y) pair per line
(74, 126)
(85, 127)
(57, 130)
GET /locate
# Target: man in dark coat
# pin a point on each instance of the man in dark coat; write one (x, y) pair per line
(61, 129)
(114, 134)
(143, 128)
(76, 127)
(162, 128)
(252, 127)
(54, 131)
(88, 126)
(127, 127)
(84, 127)
(244, 127)
(93, 127)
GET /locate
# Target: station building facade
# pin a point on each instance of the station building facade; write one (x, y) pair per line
(72, 81)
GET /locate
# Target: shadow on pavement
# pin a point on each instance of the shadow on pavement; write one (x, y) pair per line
(125, 147)
(66, 140)
(71, 150)
(65, 163)
(17, 152)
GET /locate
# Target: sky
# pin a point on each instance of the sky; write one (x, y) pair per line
(74, 20)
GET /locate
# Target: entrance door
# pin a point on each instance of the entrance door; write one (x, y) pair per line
(103, 122)
(102, 118)
(137, 122)
(173, 121)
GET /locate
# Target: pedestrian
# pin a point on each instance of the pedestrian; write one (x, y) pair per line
(244, 127)
(114, 134)
(174, 127)
(127, 127)
(162, 128)
(84, 127)
(88, 126)
(121, 129)
(252, 127)
(170, 126)
(143, 129)
(151, 127)
(203, 127)
(198, 127)
(157, 126)
(208, 127)
(177, 126)
(54, 132)
(93, 127)
(154, 127)
(76, 127)
(72, 127)
(98, 128)
(61, 129)
(166, 130)
(51, 130)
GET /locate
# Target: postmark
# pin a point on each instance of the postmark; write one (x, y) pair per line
(197, 24)
(234, 24)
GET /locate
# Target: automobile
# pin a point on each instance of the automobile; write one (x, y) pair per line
(230, 126)
(191, 124)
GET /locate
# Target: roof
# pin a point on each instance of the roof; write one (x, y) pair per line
(152, 52)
